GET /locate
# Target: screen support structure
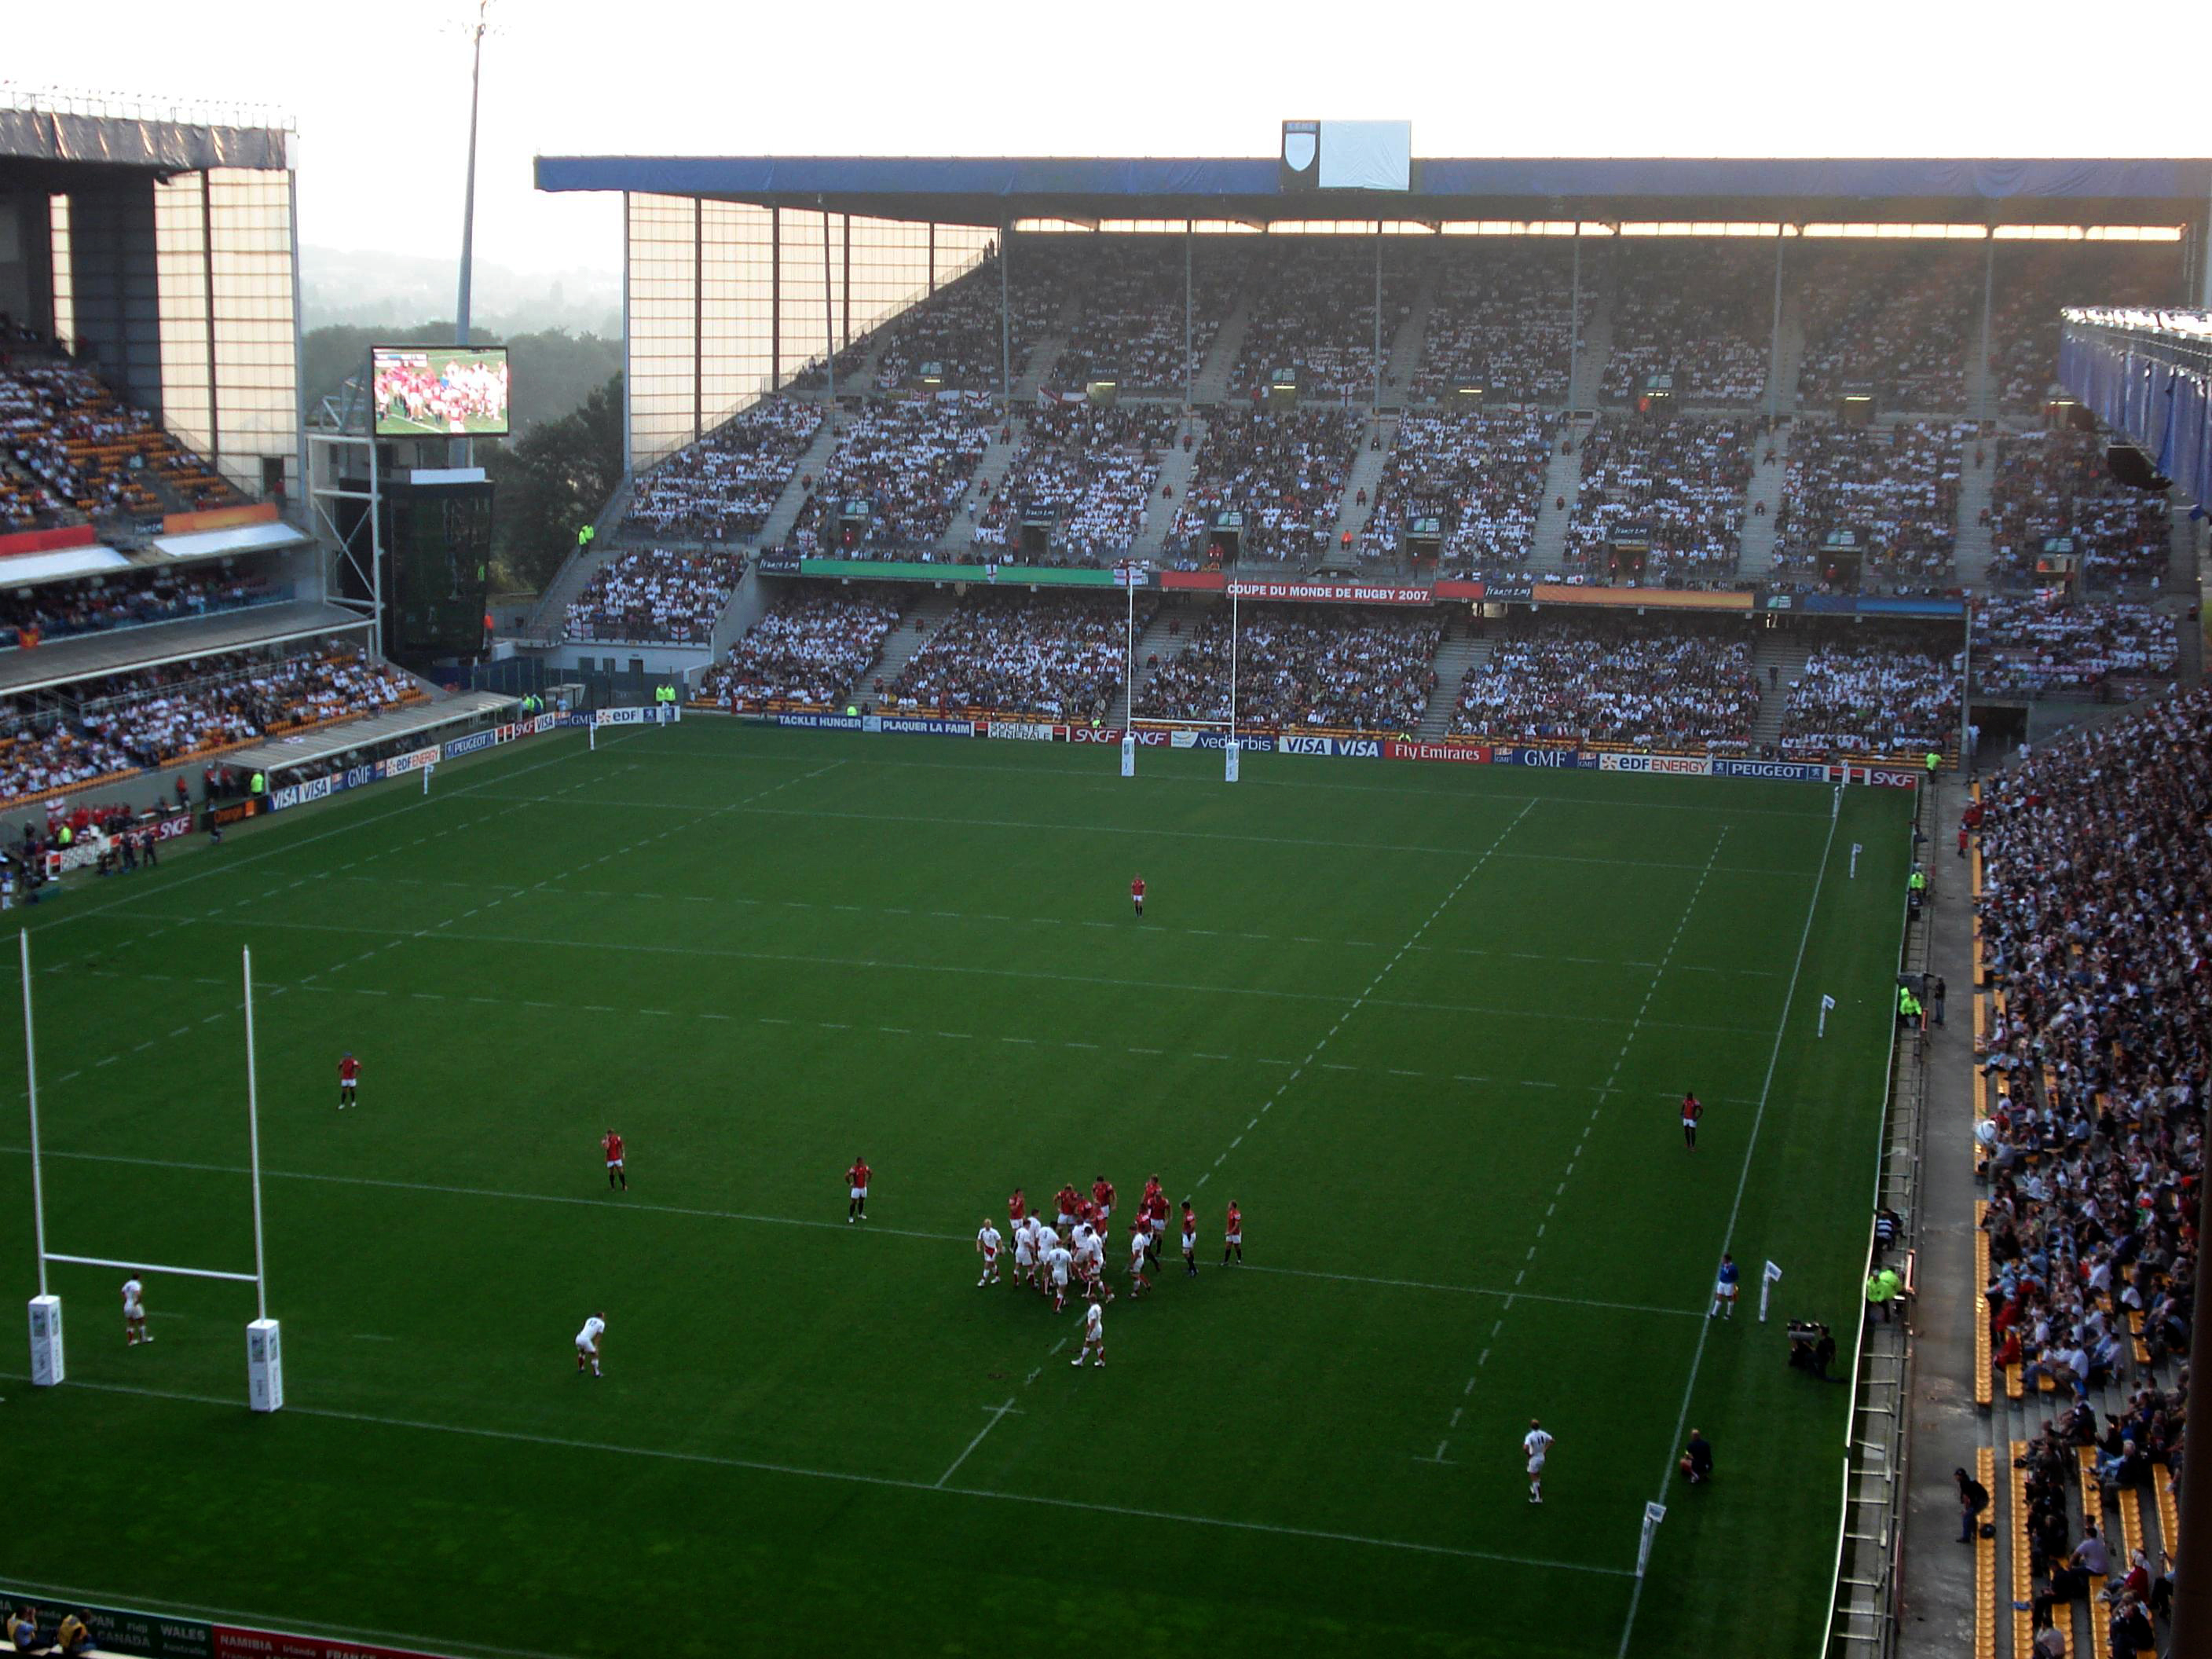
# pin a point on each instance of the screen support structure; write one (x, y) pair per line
(327, 484)
(265, 1386)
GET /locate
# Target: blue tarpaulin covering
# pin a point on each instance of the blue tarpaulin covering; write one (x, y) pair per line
(2164, 408)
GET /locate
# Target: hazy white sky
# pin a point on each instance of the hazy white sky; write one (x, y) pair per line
(380, 91)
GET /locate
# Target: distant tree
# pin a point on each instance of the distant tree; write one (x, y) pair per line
(554, 371)
(552, 481)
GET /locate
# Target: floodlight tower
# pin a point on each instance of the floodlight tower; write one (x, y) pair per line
(461, 454)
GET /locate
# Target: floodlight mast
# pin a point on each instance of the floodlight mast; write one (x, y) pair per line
(462, 448)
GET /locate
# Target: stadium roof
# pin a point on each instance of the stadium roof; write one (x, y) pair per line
(985, 190)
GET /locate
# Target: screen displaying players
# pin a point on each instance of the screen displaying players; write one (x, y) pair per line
(439, 392)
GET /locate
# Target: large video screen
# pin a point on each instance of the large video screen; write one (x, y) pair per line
(439, 392)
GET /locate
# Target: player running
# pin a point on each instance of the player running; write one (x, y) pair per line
(611, 1145)
(1137, 896)
(587, 1343)
(134, 1313)
(856, 1180)
(349, 1080)
(1724, 1289)
(1537, 1443)
(1140, 1241)
(1189, 1240)
(987, 1246)
(1232, 1234)
(1692, 1111)
(1094, 1336)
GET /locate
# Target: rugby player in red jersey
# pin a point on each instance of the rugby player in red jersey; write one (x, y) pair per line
(1102, 1194)
(349, 1079)
(611, 1144)
(1692, 1111)
(1017, 1207)
(856, 1181)
(1137, 895)
(1232, 1234)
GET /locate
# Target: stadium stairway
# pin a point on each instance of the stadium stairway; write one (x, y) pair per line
(1974, 545)
(997, 456)
(1597, 346)
(1563, 480)
(1158, 640)
(915, 629)
(1366, 475)
(1221, 356)
(1175, 469)
(1979, 381)
(785, 513)
(551, 612)
(1407, 344)
(1788, 654)
(1789, 359)
(1455, 658)
(864, 381)
(1044, 356)
(1757, 557)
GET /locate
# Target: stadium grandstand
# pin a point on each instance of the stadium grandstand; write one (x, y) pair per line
(1693, 464)
(1655, 707)
(168, 614)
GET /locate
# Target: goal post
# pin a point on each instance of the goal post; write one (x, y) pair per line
(264, 1360)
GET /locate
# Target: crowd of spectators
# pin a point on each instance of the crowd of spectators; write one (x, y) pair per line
(1678, 483)
(1502, 320)
(955, 334)
(1896, 487)
(2035, 283)
(76, 448)
(812, 648)
(152, 716)
(129, 600)
(2096, 887)
(1285, 471)
(1701, 311)
(653, 594)
(910, 460)
(1481, 475)
(1652, 683)
(1313, 311)
(1303, 665)
(1884, 693)
(726, 485)
(2034, 647)
(1086, 470)
(1893, 318)
(2049, 484)
(1052, 654)
(1129, 323)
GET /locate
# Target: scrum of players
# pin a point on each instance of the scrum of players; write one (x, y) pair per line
(460, 393)
(1066, 1257)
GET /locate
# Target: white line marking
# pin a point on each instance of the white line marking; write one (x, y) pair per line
(997, 1411)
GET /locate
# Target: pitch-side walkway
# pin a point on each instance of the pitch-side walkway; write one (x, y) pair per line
(1937, 1591)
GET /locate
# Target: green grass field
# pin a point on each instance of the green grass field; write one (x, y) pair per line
(1426, 1024)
